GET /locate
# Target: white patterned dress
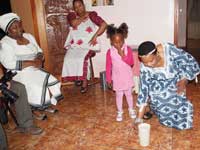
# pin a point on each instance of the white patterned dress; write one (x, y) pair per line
(75, 64)
(158, 87)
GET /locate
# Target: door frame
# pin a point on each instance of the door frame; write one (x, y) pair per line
(39, 24)
(177, 23)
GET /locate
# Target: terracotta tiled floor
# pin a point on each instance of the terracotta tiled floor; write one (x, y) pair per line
(87, 122)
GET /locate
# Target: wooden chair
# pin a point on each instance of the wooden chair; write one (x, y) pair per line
(92, 80)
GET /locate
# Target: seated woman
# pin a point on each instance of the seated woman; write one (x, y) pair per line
(81, 43)
(165, 70)
(20, 52)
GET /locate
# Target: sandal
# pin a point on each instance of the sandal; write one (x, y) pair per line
(83, 90)
(78, 83)
(147, 115)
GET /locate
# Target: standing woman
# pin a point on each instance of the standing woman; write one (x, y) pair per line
(81, 43)
(20, 52)
(165, 70)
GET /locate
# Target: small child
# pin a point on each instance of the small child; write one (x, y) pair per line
(119, 62)
(136, 72)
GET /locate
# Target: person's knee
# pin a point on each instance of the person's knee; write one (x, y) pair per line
(20, 85)
(17, 85)
(19, 89)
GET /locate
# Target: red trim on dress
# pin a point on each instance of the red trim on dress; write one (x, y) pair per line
(85, 70)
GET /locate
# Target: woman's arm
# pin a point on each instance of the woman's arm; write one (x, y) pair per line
(144, 89)
(185, 64)
(100, 31)
(99, 22)
(8, 58)
(37, 63)
(32, 39)
(1, 71)
(128, 59)
(143, 95)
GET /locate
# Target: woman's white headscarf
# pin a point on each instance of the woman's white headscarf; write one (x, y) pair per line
(6, 20)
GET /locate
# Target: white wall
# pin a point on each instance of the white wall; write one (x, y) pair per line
(147, 20)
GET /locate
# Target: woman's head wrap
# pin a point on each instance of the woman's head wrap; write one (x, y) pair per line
(146, 48)
(6, 20)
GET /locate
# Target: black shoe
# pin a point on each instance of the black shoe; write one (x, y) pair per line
(34, 130)
(147, 115)
(78, 83)
(83, 90)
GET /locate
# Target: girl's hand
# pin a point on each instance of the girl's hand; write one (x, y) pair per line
(181, 86)
(76, 22)
(120, 52)
(85, 17)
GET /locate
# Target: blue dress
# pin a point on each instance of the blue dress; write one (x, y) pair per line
(158, 88)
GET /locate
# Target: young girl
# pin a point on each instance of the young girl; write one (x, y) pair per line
(119, 62)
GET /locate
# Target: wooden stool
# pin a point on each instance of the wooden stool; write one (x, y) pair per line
(92, 80)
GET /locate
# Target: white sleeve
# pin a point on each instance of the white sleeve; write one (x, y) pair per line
(8, 58)
(32, 38)
(68, 40)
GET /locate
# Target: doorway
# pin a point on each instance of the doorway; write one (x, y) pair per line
(187, 26)
(193, 28)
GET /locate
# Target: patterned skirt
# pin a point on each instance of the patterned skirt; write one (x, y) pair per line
(172, 110)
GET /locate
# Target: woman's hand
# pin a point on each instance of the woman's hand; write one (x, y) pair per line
(93, 40)
(38, 62)
(40, 56)
(8, 85)
(181, 86)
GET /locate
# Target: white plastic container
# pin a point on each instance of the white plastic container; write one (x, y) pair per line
(144, 134)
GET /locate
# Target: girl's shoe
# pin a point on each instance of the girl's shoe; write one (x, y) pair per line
(83, 90)
(119, 116)
(132, 113)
